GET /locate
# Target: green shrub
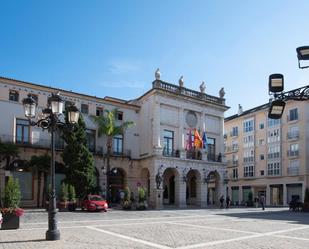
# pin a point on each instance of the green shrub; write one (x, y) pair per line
(12, 194)
(72, 193)
(141, 194)
(64, 192)
(127, 194)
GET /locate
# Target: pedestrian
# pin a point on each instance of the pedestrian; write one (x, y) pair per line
(221, 201)
(228, 201)
(262, 202)
(256, 201)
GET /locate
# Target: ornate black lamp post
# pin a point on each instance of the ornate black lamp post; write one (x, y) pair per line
(276, 86)
(49, 119)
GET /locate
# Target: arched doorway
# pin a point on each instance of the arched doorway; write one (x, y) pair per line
(213, 179)
(193, 187)
(169, 194)
(116, 184)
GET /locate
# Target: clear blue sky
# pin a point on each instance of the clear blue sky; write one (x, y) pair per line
(112, 48)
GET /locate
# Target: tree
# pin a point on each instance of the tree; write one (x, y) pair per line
(8, 151)
(107, 126)
(79, 163)
(12, 194)
(41, 165)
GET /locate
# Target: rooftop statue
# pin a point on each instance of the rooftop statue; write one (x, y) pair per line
(157, 74)
(221, 93)
(203, 87)
(181, 81)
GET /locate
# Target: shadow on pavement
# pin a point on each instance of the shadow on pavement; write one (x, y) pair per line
(22, 241)
(289, 216)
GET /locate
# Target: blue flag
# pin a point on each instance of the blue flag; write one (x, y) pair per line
(204, 139)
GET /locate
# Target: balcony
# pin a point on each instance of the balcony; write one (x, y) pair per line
(293, 135)
(32, 142)
(234, 134)
(159, 84)
(171, 153)
(124, 153)
(249, 159)
(293, 153)
(293, 171)
(232, 149)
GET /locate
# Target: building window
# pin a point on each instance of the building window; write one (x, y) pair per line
(249, 171)
(235, 173)
(84, 108)
(168, 137)
(262, 157)
(273, 122)
(293, 114)
(248, 125)
(118, 144)
(293, 168)
(261, 126)
(119, 116)
(234, 132)
(234, 146)
(22, 131)
(294, 150)
(14, 95)
(261, 142)
(248, 141)
(293, 132)
(273, 169)
(273, 136)
(262, 172)
(235, 160)
(90, 134)
(211, 148)
(273, 152)
(249, 156)
(99, 111)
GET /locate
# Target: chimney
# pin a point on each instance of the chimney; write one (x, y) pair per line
(239, 109)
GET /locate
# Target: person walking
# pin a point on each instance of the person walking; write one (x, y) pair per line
(262, 201)
(221, 201)
(228, 202)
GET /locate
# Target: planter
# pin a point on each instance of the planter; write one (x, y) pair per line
(141, 205)
(10, 221)
(63, 205)
(72, 206)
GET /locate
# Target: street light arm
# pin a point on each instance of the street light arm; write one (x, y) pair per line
(299, 94)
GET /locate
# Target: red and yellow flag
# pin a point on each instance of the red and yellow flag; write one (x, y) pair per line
(198, 142)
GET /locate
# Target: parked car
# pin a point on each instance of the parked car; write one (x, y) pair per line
(0, 218)
(94, 203)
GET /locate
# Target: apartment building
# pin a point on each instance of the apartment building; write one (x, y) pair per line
(268, 156)
(154, 148)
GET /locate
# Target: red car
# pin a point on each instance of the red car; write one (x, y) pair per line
(94, 203)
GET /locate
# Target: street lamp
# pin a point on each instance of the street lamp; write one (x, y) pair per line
(276, 86)
(302, 54)
(50, 120)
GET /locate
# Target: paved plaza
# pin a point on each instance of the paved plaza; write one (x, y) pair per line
(185, 229)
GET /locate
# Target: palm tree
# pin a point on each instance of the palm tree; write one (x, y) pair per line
(41, 165)
(107, 126)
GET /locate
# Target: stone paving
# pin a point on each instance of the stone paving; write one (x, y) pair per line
(183, 229)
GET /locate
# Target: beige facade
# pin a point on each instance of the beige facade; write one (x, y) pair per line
(268, 157)
(154, 147)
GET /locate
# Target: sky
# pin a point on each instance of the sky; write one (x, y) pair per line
(112, 48)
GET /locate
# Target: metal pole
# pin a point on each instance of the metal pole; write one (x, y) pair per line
(52, 233)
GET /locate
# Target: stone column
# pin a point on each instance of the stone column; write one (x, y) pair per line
(204, 192)
(158, 198)
(156, 138)
(240, 194)
(285, 195)
(267, 195)
(180, 192)
(182, 135)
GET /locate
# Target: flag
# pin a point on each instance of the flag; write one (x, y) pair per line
(198, 143)
(189, 141)
(204, 141)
